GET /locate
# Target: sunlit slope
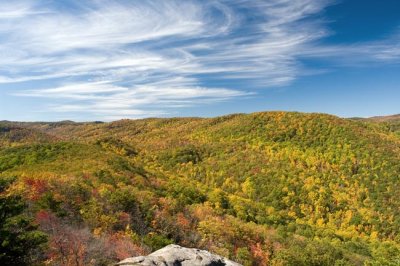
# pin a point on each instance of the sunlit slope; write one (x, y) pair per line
(311, 175)
(12, 134)
(313, 167)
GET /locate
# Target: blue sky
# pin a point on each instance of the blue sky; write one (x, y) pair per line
(113, 59)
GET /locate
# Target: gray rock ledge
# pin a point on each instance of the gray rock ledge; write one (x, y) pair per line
(174, 255)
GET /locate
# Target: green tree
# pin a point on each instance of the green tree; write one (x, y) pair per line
(20, 240)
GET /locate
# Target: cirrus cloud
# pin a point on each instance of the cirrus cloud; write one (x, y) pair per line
(111, 58)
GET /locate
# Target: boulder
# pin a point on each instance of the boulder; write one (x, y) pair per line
(174, 255)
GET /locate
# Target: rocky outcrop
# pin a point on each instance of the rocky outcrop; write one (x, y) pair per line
(174, 255)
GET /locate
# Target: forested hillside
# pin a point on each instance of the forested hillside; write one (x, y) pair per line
(261, 189)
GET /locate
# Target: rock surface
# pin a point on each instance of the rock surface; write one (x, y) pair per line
(174, 255)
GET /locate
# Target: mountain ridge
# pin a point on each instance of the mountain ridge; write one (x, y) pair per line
(381, 118)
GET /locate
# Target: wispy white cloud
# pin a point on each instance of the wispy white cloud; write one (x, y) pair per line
(108, 100)
(115, 58)
(18, 9)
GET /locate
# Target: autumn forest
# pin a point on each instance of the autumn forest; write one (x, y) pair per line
(273, 188)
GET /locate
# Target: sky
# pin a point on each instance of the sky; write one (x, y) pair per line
(107, 60)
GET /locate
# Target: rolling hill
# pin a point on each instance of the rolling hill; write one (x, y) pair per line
(389, 118)
(272, 188)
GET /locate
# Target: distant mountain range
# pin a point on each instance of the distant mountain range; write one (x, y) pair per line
(387, 118)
